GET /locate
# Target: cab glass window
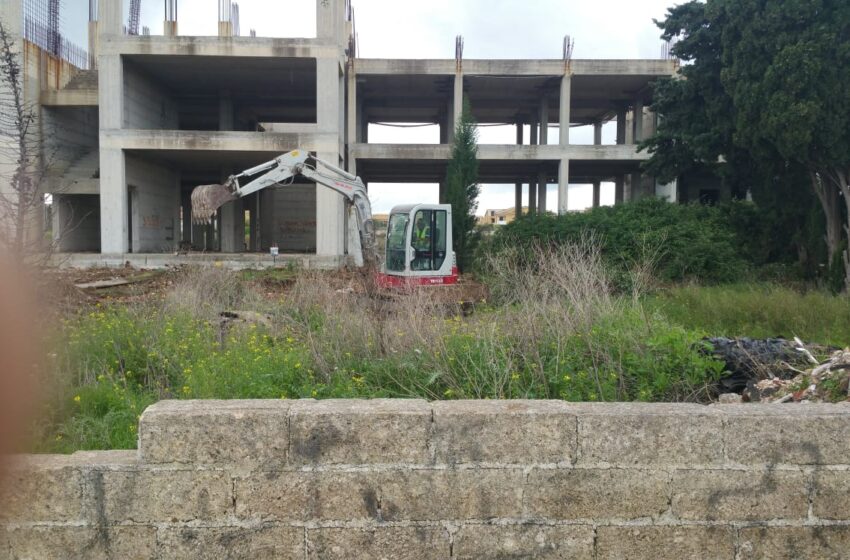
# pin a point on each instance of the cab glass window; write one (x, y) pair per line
(396, 250)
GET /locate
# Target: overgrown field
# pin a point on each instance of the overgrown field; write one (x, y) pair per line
(556, 330)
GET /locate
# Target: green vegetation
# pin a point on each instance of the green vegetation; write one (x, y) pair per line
(763, 106)
(757, 311)
(678, 241)
(462, 187)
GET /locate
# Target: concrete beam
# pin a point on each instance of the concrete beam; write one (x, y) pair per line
(213, 46)
(68, 97)
(183, 140)
(518, 67)
(551, 152)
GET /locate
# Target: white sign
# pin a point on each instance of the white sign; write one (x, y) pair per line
(273, 250)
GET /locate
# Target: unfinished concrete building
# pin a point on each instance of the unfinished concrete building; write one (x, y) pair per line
(154, 116)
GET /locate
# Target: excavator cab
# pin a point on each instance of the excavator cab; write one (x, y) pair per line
(419, 247)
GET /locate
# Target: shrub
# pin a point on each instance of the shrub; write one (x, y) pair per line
(683, 241)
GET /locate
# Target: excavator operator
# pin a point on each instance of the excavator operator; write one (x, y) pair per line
(421, 243)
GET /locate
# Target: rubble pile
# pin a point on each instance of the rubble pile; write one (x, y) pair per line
(780, 370)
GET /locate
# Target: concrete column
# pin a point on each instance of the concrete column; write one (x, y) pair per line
(597, 134)
(232, 227)
(518, 200)
(225, 29)
(169, 28)
(544, 120)
(638, 121)
(110, 17)
(633, 192)
(621, 126)
(329, 21)
(330, 219)
(225, 111)
(619, 189)
(443, 189)
(351, 120)
(519, 132)
(93, 45)
(597, 193)
(532, 132)
(542, 187)
(457, 105)
(563, 185)
(186, 207)
(532, 196)
(564, 110)
(114, 205)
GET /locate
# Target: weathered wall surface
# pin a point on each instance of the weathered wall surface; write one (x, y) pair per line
(411, 480)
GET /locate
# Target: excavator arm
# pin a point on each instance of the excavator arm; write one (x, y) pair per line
(207, 199)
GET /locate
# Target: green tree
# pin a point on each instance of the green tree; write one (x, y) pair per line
(761, 98)
(462, 187)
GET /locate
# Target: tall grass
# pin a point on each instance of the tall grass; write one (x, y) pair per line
(758, 311)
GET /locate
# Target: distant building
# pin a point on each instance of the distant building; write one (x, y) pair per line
(499, 217)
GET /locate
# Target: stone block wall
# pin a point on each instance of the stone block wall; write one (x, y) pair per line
(407, 479)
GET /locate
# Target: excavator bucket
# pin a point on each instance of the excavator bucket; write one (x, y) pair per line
(206, 199)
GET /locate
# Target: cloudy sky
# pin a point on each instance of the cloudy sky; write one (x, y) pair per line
(426, 29)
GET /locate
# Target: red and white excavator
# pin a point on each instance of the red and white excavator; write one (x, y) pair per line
(419, 236)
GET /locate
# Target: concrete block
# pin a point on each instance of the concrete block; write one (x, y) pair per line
(794, 543)
(359, 431)
(216, 432)
(166, 495)
(535, 542)
(709, 495)
(255, 543)
(637, 434)
(449, 494)
(83, 543)
(306, 496)
(596, 494)
(665, 543)
(807, 435)
(41, 488)
(832, 495)
(504, 432)
(398, 543)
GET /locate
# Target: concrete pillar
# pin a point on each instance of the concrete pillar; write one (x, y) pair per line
(619, 189)
(563, 185)
(542, 187)
(225, 29)
(110, 17)
(114, 204)
(532, 196)
(634, 191)
(351, 122)
(597, 193)
(638, 121)
(597, 134)
(93, 45)
(225, 110)
(532, 132)
(232, 227)
(544, 120)
(457, 105)
(518, 200)
(621, 126)
(564, 110)
(186, 212)
(169, 28)
(519, 132)
(330, 219)
(330, 17)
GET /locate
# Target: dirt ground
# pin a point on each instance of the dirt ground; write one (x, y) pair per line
(67, 291)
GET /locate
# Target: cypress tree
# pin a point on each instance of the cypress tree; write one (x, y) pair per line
(462, 188)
